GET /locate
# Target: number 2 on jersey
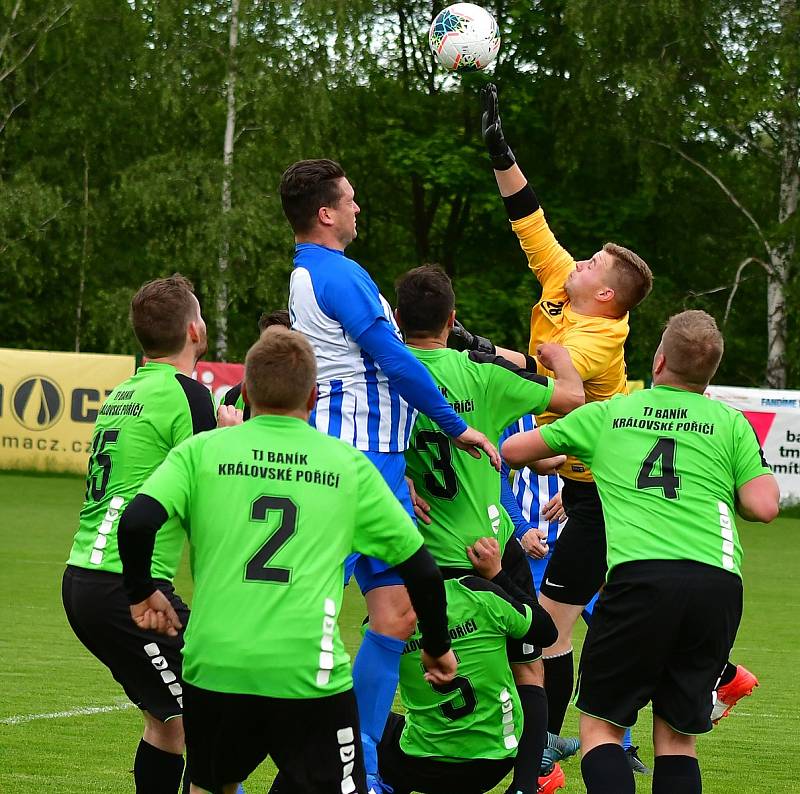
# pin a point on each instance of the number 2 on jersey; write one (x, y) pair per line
(661, 456)
(441, 461)
(257, 569)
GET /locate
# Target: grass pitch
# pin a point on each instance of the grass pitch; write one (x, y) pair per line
(65, 725)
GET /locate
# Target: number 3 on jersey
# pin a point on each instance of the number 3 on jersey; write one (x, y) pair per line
(660, 458)
(257, 569)
(445, 486)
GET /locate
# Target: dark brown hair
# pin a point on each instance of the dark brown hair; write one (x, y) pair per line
(280, 370)
(278, 317)
(160, 312)
(305, 187)
(425, 299)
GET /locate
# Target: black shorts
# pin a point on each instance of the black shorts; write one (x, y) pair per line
(315, 742)
(661, 632)
(406, 773)
(147, 665)
(577, 568)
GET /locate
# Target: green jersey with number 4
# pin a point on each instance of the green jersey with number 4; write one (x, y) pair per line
(667, 463)
(478, 714)
(273, 507)
(464, 492)
(140, 422)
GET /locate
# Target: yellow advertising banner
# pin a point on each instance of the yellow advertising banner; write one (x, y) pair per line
(49, 403)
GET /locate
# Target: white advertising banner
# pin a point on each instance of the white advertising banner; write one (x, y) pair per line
(775, 416)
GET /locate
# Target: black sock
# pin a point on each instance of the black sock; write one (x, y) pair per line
(676, 774)
(533, 739)
(606, 770)
(156, 771)
(728, 674)
(558, 673)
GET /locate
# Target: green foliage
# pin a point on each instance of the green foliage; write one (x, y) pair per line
(128, 99)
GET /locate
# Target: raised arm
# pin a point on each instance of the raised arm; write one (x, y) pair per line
(550, 262)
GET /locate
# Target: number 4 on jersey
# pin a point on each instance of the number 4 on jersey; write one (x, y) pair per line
(661, 458)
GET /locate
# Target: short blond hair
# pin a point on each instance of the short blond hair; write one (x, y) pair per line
(631, 275)
(280, 370)
(693, 346)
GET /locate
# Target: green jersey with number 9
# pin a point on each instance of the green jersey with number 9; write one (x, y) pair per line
(478, 714)
(464, 492)
(143, 418)
(667, 463)
(273, 507)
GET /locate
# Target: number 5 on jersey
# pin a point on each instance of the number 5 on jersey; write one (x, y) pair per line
(257, 569)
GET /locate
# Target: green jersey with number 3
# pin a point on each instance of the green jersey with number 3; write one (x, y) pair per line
(140, 422)
(273, 507)
(478, 714)
(489, 393)
(667, 463)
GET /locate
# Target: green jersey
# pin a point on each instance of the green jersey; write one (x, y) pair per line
(272, 509)
(667, 463)
(489, 393)
(140, 422)
(477, 714)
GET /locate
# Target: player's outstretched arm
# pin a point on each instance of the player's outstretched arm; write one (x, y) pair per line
(759, 499)
(524, 449)
(508, 174)
(425, 586)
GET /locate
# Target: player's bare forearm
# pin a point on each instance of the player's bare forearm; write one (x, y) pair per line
(523, 449)
(568, 393)
(510, 181)
(759, 499)
(513, 356)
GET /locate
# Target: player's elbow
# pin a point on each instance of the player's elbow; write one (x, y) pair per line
(515, 452)
(759, 499)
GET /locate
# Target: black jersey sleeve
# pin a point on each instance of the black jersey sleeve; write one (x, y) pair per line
(136, 537)
(201, 404)
(529, 373)
(542, 632)
(232, 395)
(426, 591)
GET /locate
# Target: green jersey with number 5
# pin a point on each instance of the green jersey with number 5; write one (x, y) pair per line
(273, 507)
(478, 714)
(464, 492)
(667, 463)
(140, 422)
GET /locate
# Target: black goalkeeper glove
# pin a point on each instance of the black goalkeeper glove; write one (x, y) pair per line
(462, 339)
(499, 152)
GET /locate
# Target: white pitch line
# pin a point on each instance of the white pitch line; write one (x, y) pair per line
(18, 719)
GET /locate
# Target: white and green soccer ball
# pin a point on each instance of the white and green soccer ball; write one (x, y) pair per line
(464, 38)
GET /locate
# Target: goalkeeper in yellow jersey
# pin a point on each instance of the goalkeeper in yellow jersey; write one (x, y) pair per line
(584, 307)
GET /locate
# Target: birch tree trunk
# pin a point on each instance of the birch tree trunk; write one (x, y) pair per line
(84, 253)
(227, 180)
(782, 254)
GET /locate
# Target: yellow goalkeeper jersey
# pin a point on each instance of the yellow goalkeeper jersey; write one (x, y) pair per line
(595, 344)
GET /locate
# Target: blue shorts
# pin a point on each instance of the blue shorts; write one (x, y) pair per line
(371, 573)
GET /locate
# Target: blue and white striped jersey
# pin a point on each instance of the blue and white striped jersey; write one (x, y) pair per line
(530, 491)
(332, 301)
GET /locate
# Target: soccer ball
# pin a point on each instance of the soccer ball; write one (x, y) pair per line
(464, 38)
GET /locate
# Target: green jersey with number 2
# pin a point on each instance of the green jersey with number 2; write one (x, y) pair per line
(273, 507)
(464, 492)
(477, 714)
(140, 422)
(667, 463)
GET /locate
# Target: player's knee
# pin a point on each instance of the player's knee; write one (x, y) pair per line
(167, 736)
(528, 674)
(398, 623)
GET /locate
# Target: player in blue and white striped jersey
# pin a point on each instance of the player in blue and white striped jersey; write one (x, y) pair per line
(531, 501)
(370, 387)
